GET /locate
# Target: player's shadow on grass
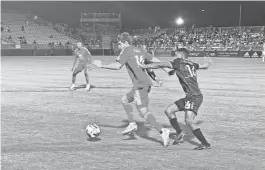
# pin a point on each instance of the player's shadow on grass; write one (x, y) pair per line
(93, 139)
(143, 130)
(99, 87)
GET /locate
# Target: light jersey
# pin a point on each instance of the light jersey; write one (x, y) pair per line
(131, 56)
(84, 56)
(187, 75)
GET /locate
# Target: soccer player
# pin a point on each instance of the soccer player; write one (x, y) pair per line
(131, 57)
(83, 57)
(185, 70)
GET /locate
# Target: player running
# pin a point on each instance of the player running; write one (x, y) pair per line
(131, 57)
(186, 73)
(83, 57)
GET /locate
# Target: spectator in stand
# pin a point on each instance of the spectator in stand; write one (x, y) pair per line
(227, 38)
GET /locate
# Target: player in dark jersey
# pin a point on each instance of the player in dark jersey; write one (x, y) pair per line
(83, 57)
(185, 70)
(131, 57)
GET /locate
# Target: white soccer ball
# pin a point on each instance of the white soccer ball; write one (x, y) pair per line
(92, 130)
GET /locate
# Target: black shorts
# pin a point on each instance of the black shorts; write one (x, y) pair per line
(191, 103)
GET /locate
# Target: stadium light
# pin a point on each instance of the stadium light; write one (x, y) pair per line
(179, 21)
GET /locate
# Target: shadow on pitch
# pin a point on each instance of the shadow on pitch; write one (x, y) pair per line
(143, 130)
(93, 139)
(98, 87)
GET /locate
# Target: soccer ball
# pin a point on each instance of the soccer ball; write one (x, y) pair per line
(92, 130)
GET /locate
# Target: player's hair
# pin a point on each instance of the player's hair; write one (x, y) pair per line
(125, 37)
(184, 51)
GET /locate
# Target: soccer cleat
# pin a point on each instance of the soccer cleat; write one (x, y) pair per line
(179, 138)
(87, 88)
(165, 136)
(130, 128)
(203, 146)
(72, 87)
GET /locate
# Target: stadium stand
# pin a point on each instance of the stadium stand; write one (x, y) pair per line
(26, 30)
(21, 29)
(231, 38)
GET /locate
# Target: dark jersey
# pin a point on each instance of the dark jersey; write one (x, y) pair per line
(186, 73)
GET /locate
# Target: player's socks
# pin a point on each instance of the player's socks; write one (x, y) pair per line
(152, 121)
(199, 135)
(175, 125)
(129, 111)
(73, 79)
(87, 78)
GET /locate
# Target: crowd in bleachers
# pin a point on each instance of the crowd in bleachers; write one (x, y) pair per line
(20, 29)
(201, 37)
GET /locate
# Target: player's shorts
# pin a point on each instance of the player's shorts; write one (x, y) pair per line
(140, 95)
(80, 67)
(191, 103)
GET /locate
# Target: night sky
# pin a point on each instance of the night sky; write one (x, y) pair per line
(138, 14)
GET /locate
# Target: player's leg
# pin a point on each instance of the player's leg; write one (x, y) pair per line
(86, 70)
(126, 102)
(142, 100)
(77, 70)
(263, 56)
(192, 105)
(170, 112)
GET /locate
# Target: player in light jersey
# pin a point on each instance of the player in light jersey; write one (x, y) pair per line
(83, 58)
(185, 70)
(131, 57)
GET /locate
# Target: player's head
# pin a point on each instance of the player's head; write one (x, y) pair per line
(182, 53)
(124, 40)
(79, 45)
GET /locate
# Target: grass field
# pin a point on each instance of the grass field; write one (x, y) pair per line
(43, 124)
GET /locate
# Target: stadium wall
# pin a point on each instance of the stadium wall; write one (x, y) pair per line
(109, 52)
(49, 52)
(247, 54)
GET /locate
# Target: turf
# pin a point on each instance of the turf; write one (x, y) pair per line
(43, 124)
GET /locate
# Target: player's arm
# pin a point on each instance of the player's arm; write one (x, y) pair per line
(157, 65)
(207, 63)
(167, 70)
(112, 66)
(120, 61)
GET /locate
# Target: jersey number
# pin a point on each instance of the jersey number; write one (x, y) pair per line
(139, 59)
(189, 105)
(191, 71)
